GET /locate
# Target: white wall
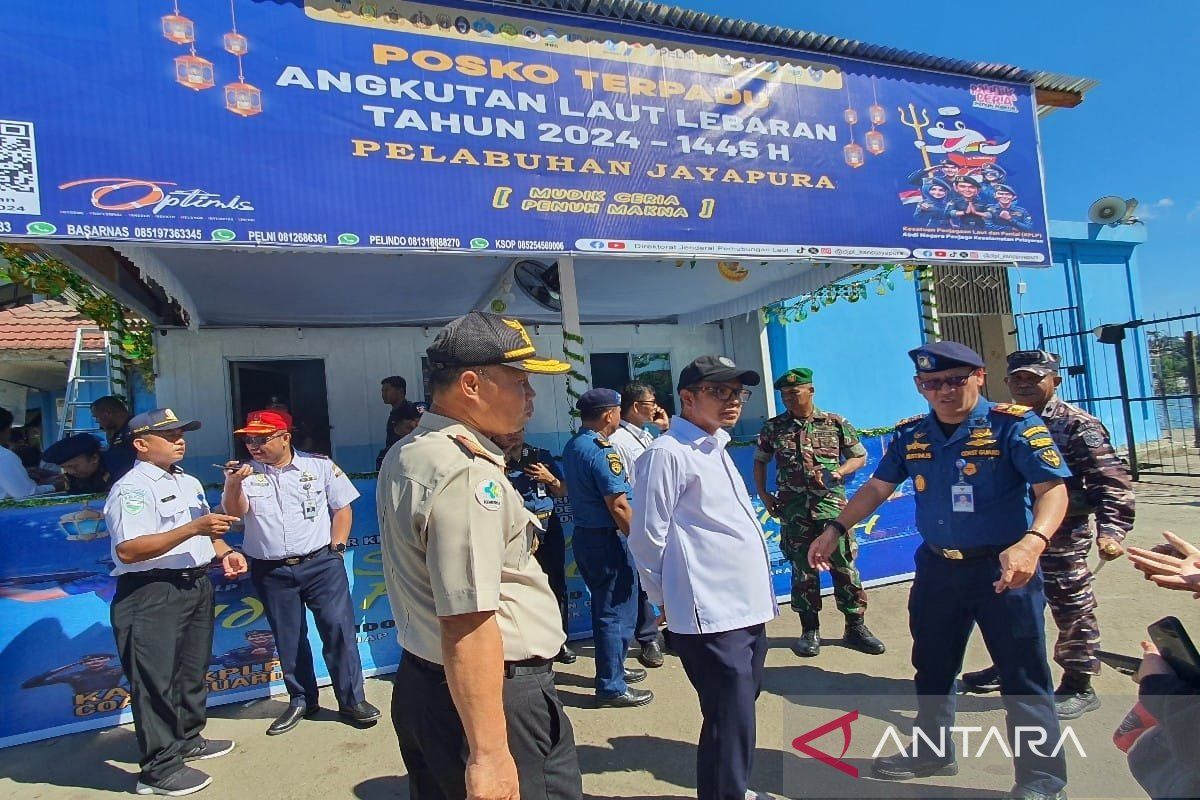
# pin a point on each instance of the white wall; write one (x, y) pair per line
(193, 377)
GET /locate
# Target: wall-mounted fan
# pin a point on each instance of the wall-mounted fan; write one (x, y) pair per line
(540, 282)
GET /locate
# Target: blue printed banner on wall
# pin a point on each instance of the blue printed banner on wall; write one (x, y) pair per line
(465, 126)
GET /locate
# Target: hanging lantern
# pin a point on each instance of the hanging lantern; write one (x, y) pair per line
(853, 154)
(878, 115)
(874, 140)
(177, 29)
(851, 116)
(243, 99)
(236, 44)
(194, 72)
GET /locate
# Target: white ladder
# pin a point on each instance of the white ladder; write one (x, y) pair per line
(86, 383)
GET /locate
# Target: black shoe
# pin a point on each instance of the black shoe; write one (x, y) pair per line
(566, 655)
(651, 655)
(981, 682)
(208, 748)
(809, 644)
(859, 637)
(182, 781)
(291, 718)
(634, 675)
(362, 714)
(631, 699)
(903, 767)
(1073, 705)
(1033, 794)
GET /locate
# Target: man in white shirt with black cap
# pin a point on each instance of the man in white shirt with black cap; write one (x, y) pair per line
(702, 557)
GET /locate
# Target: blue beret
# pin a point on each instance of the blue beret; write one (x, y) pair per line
(937, 356)
(596, 399)
(81, 444)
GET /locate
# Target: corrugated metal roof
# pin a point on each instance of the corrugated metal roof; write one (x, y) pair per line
(665, 16)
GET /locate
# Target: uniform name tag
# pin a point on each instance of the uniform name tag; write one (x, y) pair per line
(962, 498)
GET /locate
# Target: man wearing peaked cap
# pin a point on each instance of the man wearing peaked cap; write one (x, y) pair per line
(482, 624)
(989, 493)
(815, 451)
(702, 557)
(163, 539)
(1099, 485)
(598, 487)
(296, 507)
(83, 465)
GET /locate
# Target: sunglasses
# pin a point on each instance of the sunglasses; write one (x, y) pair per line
(954, 382)
(259, 441)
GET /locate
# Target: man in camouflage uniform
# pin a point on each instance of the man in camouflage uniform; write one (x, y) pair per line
(814, 452)
(1099, 485)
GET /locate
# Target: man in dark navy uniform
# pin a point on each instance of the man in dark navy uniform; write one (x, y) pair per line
(534, 474)
(112, 415)
(599, 490)
(84, 467)
(973, 464)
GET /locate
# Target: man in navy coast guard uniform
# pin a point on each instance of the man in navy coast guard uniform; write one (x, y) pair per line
(599, 492)
(973, 464)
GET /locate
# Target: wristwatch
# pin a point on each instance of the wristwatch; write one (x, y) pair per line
(339, 548)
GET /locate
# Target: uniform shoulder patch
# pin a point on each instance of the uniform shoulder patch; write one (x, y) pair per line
(615, 464)
(602, 442)
(904, 423)
(473, 449)
(133, 501)
(1012, 409)
(489, 494)
(1051, 457)
(1092, 436)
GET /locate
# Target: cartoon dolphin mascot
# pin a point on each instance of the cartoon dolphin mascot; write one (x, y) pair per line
(960, 143)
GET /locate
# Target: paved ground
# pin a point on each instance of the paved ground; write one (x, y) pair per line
(649, 752)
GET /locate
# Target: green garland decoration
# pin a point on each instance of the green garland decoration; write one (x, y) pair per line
(43, 274)
(880, 282)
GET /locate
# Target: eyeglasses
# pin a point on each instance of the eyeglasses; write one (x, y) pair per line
(726, 394)
(645, 402)
(953, 382)
(259, 441)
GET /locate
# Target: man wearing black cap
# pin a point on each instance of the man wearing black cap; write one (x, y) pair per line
(84, 467)
(474, 705)
(1099, 485)
(599, 492)
(112, 415)
(1004, 214)
(975, 465)
(965, 209)
(163, 539)
(702, 558)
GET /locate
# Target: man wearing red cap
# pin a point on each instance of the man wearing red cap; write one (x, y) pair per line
(296, 507)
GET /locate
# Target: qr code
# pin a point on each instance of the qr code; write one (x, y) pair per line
(18, 169)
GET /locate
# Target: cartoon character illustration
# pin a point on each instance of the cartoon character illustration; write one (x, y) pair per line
(959, 143)
(1005, 215)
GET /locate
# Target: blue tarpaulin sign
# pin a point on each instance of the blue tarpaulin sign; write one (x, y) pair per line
(467, 126)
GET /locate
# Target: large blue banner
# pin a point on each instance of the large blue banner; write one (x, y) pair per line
(468, 126)
(59, 671)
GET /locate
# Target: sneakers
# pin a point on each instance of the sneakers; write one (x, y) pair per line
(1073, 705)
(859, 637)
(183, 781)
(809, 644)
(981, 682)
(208, 748)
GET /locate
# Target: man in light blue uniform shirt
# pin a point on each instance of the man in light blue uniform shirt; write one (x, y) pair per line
(974, 465)
(702, 558)
(598, 488)
(297, 513)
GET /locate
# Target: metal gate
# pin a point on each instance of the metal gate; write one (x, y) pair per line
(1139, 377)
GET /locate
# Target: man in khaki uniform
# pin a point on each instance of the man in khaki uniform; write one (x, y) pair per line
(474, 704)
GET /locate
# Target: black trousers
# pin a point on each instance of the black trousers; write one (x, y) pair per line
(319, 584)
(163, 625)
(726, 670)
(551, 555)
(434, 746)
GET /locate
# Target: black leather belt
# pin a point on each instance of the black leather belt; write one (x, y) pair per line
(189, 575)
(512, 669)
(966, 553)
(292, 561)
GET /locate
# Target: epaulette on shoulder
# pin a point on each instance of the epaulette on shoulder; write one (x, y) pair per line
(319, 455)
(602, 442)
(904, 423)
(1012, 409)
(473, 449)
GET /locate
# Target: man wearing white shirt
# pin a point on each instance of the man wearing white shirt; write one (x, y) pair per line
(702, 557)
(15, 483)
(639, 408)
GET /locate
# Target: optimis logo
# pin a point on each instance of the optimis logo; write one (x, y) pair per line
(131, 194)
